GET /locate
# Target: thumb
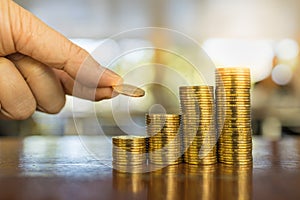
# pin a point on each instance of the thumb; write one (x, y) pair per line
(34, 38)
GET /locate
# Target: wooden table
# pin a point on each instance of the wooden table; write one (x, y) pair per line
(61, 168)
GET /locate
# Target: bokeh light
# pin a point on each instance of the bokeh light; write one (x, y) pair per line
(287, 49)
(282, 74)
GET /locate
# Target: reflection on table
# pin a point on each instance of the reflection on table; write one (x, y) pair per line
(186, 182)
(62, 168)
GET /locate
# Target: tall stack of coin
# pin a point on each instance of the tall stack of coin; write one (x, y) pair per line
(198, 124)
(165, 139)
(129, 150)
(234, 115)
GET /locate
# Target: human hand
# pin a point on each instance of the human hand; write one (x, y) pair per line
(38, 66)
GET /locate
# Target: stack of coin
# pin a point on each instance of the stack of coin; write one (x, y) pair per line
(165, 139)
(198, 124)
(234, 115)
(129, 150)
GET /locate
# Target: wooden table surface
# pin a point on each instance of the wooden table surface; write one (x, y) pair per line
(62, 168)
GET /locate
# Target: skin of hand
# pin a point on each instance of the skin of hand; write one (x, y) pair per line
(39, 66)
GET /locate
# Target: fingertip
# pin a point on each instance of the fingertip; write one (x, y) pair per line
(119, 80)
(114, 94)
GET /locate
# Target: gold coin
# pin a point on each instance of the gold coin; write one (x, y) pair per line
(235, 138)
(198, 87)
(228, 90)
(244, 163)
(128, 163)
(231, 83)
(129, 90)
(235, 145)
(195, 98)
(235, 111)
(234, 72)
(128, 158)
(129, 137)
(233, 77)
(200, 156)
(196, 149)
(163, 121)
(167, 143)
(236, 151)
(208, 138)
(124, 157)
(229, 157)
(235, 69)
(234, 88)
(236, 129)
(164, 157)
(196, 92)
(233, 160)
(240, 77)
(197, 108)
(167, 128)
(234, 117)
(223, 95)
(232, 148)
(163, 124)
(200, 162)
(163, 116)
(227, 126)
(236, 98)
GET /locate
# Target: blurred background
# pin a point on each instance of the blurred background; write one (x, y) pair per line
(261, 34)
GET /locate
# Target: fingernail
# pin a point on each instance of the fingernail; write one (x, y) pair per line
(39, 108)
(119, 80)
(114, 94)
(6, 115)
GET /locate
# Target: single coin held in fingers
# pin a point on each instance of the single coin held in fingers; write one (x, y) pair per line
(129, 90)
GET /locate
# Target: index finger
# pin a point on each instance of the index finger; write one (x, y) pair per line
(34, 38)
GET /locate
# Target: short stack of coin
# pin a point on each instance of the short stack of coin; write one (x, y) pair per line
(129, 150)
(165, 139)
(234, 115)
(198, 124)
